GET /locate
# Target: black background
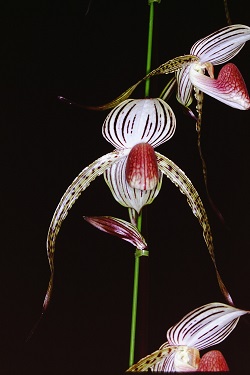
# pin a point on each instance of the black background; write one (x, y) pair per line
(90, 52)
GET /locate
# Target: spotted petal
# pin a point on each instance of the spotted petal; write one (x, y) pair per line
(170, 66)
(139, 120)
(222, 45)
(178, 177)
(152, 359)
(228, 88)
(123, 193)
(80, 183)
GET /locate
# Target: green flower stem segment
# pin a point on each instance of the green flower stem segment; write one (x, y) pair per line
(150, 40)
(138, 254)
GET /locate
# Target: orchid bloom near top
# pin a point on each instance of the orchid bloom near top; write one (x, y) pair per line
(215, 49)
(134, 170)
(203, 327)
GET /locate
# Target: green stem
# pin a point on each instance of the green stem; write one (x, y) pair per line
(135, 299)
(150, 42)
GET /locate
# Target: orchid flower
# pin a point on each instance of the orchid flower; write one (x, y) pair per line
(203, 327)
(229, 88)
(134, 170)
(215, 49)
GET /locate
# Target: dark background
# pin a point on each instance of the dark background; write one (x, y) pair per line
(90, 52)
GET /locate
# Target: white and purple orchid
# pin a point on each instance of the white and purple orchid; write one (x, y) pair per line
(190, 75)
(215, 49)
(203, 327)
(134, 128)
(133, 171)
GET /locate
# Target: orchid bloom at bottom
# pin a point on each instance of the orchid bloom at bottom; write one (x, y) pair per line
(203, 327)
(134, 170)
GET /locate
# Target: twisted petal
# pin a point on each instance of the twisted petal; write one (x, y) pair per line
(222, 45)
(178, 177)
(80, 183)
(139, 120)
(127, 196)
(228, 88)
(205, 326)
(170, 66)
(120, 228)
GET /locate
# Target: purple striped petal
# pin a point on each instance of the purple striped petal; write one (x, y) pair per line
(184, 86)
(222, 45)
(139, 120)
(205, 326)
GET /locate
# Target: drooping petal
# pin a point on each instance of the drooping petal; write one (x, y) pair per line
(205, 326)
(170, 66)
(80, 183)
(178, 177)
(228, 88)
(120, 228)
(222, 45)
(139, 120)
(184, 87)
(124, 194)
(213, 361)
(141, 169)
